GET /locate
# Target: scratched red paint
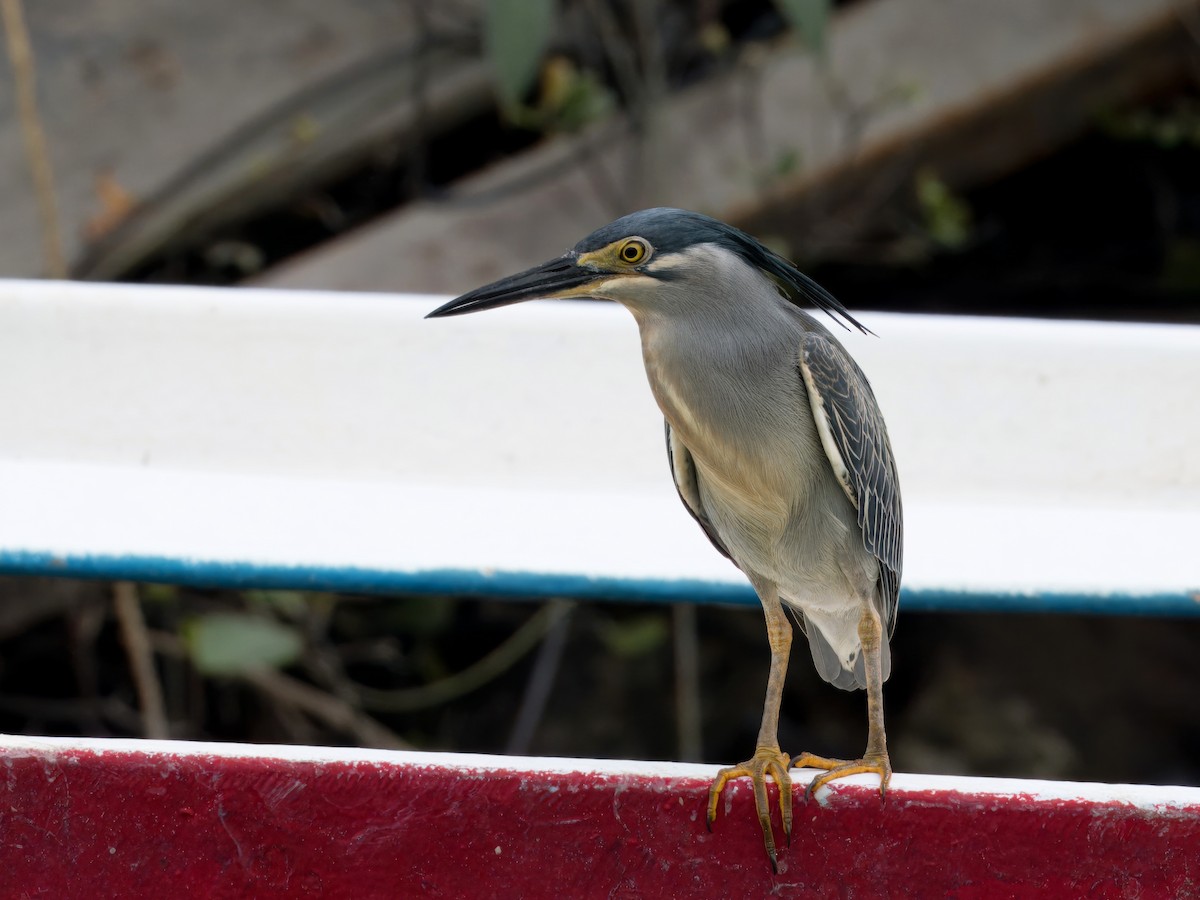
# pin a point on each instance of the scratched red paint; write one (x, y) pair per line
(76, 823)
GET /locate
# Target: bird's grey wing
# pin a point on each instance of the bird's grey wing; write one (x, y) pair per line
(856, 441)
(683, 471)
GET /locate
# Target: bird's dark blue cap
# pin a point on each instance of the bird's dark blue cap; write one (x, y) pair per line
(668, 230)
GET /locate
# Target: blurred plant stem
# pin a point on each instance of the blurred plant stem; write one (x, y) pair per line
(136, 639)
(687, 683)
(541, 681)
(20, 56)
(475, 676)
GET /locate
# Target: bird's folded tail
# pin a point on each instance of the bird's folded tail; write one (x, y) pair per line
(849, 675)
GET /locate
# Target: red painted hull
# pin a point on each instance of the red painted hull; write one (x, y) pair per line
(126, 819)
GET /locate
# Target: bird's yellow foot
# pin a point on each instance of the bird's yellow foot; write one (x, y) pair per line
(877, 763)
(766, 761)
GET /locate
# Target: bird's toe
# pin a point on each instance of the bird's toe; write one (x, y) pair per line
(877, 764)
(766, 762)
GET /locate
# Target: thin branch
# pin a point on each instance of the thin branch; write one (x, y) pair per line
(615, 195)
(537, 691)
(136, 639)
(687, 682)
(20, 56)
(331, 710)
(616, 49)
(651, 148)
(474, 676)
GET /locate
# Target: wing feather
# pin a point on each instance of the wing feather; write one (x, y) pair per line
(683, 472)
(856, 441)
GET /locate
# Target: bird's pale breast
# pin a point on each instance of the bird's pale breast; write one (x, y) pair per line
(765, 481)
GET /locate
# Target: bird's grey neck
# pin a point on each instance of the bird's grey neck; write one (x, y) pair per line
(712, 342)
(716, 322)
(720, 375)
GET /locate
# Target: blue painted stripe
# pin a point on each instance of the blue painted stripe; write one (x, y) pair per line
(540, 585)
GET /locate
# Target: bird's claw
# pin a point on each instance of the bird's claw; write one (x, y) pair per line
(766, 761)
(878, 764)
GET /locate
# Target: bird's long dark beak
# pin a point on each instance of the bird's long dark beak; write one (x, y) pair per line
(561, 277)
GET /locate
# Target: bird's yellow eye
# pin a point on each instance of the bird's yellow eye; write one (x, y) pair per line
(633, 251)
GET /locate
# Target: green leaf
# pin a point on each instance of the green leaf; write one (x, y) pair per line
(515, 33)
(947, 216)
(159, 593)
(569, 98)
(808, 18)
(233, 643)
(634, 637)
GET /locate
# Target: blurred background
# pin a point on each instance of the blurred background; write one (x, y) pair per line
(955, 156)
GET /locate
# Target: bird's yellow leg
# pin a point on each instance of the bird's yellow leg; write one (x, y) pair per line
(875, 759)
(768, 759)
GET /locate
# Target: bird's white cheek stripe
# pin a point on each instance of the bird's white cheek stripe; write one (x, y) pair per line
(684, 259)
